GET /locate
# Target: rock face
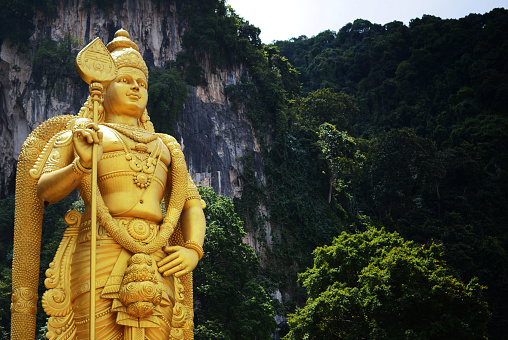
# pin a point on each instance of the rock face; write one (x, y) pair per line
(213, 136)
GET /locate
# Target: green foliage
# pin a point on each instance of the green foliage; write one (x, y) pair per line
(300, 216)
(213, 31)
(217, 36)
(252, 196)
(105, 5)
(231, 304)
(16, 19)
(429, 76)
(326, 106)
(55, 59)
(403, 169)
(6, 236)
(272, 83)
(193, 73)
(6, 227)
(376, 285)
(435, 125)
(342, 155)
(167, 93)
(5, 300)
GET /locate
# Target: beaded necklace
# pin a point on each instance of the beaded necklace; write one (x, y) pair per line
(135, 133)
(144, 165)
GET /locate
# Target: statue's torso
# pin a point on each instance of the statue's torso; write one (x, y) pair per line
(132, 175)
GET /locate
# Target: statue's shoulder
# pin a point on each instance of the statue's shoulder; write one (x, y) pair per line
(64, 137)
(169, 141)
(79, 123)
(38, 144)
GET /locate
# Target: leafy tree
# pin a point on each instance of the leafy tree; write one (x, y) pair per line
(327, 106)
(376, 285)
(167, 93)
(230, 303)
(343, 157)
(403, 168)
(55, 59)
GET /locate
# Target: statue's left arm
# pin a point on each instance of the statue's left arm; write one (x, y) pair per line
(183, 260)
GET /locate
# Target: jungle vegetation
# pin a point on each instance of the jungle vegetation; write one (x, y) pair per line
(385, 154)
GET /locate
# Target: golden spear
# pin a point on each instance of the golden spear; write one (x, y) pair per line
(97, 68)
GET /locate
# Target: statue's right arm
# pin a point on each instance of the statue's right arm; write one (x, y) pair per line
(57, 184)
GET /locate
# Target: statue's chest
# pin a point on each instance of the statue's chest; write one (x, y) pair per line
(143, 160)
(136, 147)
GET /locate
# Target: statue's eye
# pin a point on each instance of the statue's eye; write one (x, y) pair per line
(142, 84)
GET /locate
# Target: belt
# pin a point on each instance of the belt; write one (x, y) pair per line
(138, 229)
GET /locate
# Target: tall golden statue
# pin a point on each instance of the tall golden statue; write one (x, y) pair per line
(136, 261)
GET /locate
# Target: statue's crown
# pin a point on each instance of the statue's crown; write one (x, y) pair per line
(125, 52)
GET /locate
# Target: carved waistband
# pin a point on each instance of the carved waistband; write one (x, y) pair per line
(140, 230)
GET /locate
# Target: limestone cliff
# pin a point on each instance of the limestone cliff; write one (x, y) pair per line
(213, 136)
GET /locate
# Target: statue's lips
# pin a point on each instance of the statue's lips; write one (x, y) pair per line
(134, 96)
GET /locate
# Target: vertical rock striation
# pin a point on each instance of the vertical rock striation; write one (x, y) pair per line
(214, 137)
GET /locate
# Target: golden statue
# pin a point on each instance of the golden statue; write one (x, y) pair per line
(141, 276)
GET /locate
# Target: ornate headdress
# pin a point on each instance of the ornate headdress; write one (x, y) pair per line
(125, 53)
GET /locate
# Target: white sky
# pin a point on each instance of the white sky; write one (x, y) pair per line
(286, 19)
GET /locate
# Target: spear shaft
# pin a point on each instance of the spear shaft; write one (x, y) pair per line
(96, 66)
(96, 92)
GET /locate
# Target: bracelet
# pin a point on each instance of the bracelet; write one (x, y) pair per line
(193, 197)
(79, 168)
(195, 246)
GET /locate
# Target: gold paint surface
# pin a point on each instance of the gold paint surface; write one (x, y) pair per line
(136, 168)
(95, 64)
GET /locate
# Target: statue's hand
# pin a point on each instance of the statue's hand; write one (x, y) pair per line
(83, 140)
(181, 261)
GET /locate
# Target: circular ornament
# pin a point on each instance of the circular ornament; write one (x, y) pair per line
(139, 230)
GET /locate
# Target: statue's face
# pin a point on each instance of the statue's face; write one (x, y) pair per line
(127, 95)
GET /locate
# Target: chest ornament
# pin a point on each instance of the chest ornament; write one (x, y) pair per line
(143, 164)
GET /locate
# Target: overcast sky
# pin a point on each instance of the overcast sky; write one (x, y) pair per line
(285, 19)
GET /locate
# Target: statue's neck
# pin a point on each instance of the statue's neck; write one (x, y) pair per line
(121, 120)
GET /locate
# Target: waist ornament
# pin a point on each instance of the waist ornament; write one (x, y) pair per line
(138, 230)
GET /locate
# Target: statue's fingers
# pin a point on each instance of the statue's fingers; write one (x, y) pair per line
(172, 266)
(182, 272)
(173, 270)
(95, 137)
(78, 133)
(167, 260)
(86, 135)
(93, 126)
(171, 249)
(83, 134)
(100, 135)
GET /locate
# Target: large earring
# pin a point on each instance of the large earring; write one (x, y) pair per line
(144, 117)
(86, 110)
(145, 121)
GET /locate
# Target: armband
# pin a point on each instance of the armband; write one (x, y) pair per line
(78, 168)
(195, 246)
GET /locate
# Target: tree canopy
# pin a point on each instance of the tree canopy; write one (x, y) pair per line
(376, 285)
(231, 303)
